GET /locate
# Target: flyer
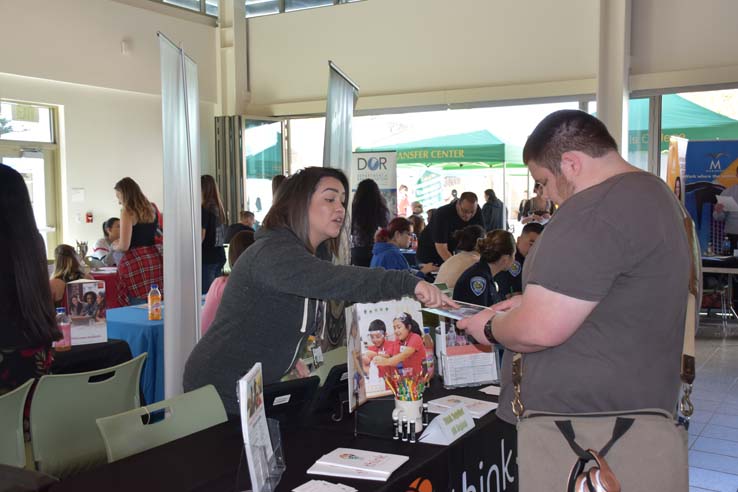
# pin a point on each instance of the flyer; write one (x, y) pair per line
(256, 438)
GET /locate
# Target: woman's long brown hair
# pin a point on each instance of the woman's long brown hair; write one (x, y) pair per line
(134, 201)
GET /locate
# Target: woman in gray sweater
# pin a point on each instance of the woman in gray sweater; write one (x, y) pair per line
(275, 297)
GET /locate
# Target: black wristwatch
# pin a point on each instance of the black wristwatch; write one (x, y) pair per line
(488, 332)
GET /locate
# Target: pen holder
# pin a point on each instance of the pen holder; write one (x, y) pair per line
(412, 409)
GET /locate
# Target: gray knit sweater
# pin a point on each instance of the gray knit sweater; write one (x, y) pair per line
(268, 310)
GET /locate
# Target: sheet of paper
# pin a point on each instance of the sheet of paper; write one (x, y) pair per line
(340, 471)
(476, 408)
(447, 427)
(323, 486)
(728, 202)
(491, 390)
(465, 310)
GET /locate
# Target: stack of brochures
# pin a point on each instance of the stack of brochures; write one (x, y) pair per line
(476, 408)
(357, 463)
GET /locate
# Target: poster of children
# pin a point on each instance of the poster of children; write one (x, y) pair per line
(86, 301)
(389, 337)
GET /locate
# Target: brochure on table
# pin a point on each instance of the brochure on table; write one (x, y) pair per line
(476, 408)
(323, 486)
(448, 427)
(256, 438)
(463, 361)
(371, 334)
(86, 308)
(357, 463)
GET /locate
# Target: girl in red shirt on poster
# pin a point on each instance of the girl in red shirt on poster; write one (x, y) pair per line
(409, 348)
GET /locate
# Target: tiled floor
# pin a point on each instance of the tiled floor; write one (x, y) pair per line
(713, 433)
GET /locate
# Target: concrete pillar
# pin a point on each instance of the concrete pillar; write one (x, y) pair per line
(233, 67)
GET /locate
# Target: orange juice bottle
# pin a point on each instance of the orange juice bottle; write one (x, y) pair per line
(154, 303)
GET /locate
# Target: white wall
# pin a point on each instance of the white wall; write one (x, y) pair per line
(424, 52)
(106, 135)
(68, 54)
(434, 52)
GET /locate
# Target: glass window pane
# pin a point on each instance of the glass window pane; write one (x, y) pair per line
(255, 8)
(211, 7)
(188, 4)
(25, 122)
(290, 5)
(638, 128)
(263, 157)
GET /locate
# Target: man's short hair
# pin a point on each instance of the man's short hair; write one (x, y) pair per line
(532, 227)
(245, 214)
(468, 196)
(564, 131)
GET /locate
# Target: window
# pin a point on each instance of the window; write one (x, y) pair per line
(256, 8)
(25, 122)
(208, 7)
(262, 144)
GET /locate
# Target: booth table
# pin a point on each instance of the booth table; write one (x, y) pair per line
(111, 287)
(91, 357)
(723, 265)
(213, 460)
(132, 324)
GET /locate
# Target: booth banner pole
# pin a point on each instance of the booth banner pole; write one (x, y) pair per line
(182, 244)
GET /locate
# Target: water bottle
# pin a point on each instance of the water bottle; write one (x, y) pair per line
(154, 303)
(727, 250)
(65, 327)
(709, 251)
(429, 363)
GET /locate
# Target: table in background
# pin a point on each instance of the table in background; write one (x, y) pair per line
(132, 324)
(111, 287)
(723, 265)
(91, 357)
(213, 460)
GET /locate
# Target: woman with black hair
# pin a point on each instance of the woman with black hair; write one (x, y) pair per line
(277, 293)
(477, 284)
(408, 350)
(28, 320)
(104, 247)
(369, 212)
(466, 255)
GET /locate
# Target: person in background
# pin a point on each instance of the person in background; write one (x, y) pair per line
(277, 292)
(66, 269)
(276, 182)
(103, 249)
(450, 218)
(213, 232)
(141, 265)
(466, 255)
(238, 245)
(369, 213)
(730, 219)
(417, 208)
(510, 281)
(426, 251)
(538, 208)
(494, 212)
(245, 222)
(477, 284)
(418, 228)
(28, 325)
(387, 243)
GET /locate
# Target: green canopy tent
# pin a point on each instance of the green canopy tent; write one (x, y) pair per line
(682, 118)
(265, 164)
(474, 150)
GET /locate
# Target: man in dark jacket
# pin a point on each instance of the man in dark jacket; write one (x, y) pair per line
(494, 212)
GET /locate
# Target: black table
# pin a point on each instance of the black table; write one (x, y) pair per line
(213, 460)
(91, 357)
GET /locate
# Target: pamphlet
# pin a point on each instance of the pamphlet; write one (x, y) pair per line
(323, 486)
(358, 463)
(371, 335)
(340, 471)
(491, 390)
(464, 310)
(256, 438)
(447, 427)
(463, 361)
(86, 309)
(476, 408)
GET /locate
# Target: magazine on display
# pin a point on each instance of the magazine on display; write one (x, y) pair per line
(465, 310)
(256, 438)
(357, 463)
(371, 334)
(86, 308)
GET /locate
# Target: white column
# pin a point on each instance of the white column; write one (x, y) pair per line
(613, 69)
(233, 66)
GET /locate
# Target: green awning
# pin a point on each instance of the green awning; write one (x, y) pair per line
(475, 150)
(267, 163)
(682, 118)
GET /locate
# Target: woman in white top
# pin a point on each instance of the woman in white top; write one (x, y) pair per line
(466, 255)
(104, 249)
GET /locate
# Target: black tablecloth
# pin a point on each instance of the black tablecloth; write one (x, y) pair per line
(213, 460)
(83, 358)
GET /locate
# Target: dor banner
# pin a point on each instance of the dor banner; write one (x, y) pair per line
(380, 167)
(711, 177)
